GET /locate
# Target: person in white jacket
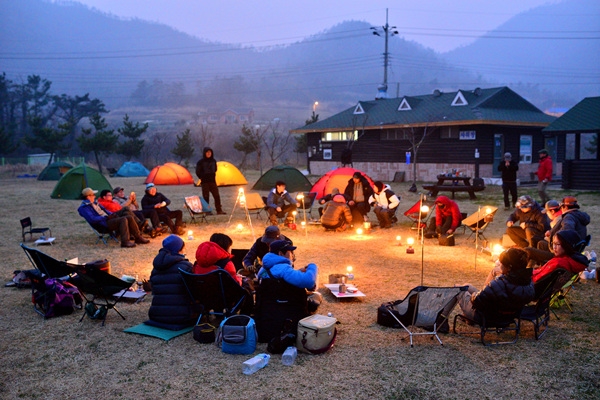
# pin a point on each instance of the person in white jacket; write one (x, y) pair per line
(385, 203)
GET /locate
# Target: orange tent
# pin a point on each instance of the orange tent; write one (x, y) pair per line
(336, 178)
(169, 174)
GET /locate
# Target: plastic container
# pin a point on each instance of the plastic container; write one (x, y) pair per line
(255, 363)
(289, 356)
(593, 256)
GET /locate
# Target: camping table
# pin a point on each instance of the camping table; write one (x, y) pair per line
(333, 287)
(458, 184)
(45, 240)
(136, 296)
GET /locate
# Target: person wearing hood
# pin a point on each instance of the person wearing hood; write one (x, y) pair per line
(336, 214)
(384, 203)
(567, 245)
(507, 292)
(215, 254)
(532, 223)
(358, 192)
(544, 174)
(447, 218)
(326, 198)
(171, 306)
(206, 170)
(509, 169)
(254, 257)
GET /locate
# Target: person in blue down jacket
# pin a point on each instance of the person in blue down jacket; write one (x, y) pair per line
(171, 306)
(280, 263)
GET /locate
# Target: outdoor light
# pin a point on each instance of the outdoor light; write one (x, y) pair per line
(190, 235)
(399, 240)
(240, 227)
(303, 223)
(359, 231)
(367, 226)
(350, 275)
(409, 250)
(300, 196)
(497, 249)
(424, 208)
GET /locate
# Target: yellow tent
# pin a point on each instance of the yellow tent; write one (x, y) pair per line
(229, 175)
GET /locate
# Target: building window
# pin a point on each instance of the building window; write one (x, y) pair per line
(393, 135)
(525, 146)
(570, 142)
(338, 136)
(449, 132)
(589, 146)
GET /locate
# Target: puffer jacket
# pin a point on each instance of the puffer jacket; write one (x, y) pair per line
(450, 209)
(575, 263)
(504, 294)
(282, 268)
(335, 211)
(206, 167)
(386, 198)
(535, 219)
(210, 257)
(574, 220)
(171, 304)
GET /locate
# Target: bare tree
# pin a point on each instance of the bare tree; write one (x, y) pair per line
(203, 137)
(276, 141)
(250, 141)
(416, 136)
(155, 146)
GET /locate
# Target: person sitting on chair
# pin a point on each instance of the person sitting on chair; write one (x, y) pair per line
(567, 246)
(215, 254)
(336, 215)
(533, 223)
(105, 221)
(159, 202)
(276, 204)
(171, 307)
(131, 203)
(358, 192)
(106, 201)
(509, 291)
(254, 257)
(447, 218)
(384, 203)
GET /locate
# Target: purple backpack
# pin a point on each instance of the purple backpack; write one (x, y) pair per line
(59, 298)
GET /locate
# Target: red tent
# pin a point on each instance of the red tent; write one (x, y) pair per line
(170, 174)
(336, 178)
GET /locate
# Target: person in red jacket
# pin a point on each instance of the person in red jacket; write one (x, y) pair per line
(447, 218)
(544, 174)
(567, 246)
(215, 254)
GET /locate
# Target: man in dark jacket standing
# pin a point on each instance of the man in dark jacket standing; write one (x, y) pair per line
(509, 169)
(206, 170)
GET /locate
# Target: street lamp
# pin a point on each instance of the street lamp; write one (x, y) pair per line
(315, 104)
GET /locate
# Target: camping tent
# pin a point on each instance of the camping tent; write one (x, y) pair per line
(294, 180)
(132, 168)
(229, 175)
(71, 184)
(54, 171)
(169, 174)
(336, 178)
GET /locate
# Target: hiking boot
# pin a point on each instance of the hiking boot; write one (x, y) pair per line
(141, 240)
(128, 244)
(221, 212)
(180, 231)
(143, 225)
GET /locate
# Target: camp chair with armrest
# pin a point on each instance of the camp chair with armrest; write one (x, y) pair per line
(504, 324)
(215, 293)
(28, 229)
(427, 308)
(562, 288)
(306, 200)
(100, 290)
(102, 234)
(254, 203)
(413, 214)
(197, 206)
(538, 311)
(47, 265)
(478, 221)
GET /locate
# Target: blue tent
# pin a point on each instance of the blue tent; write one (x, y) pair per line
(132, 168)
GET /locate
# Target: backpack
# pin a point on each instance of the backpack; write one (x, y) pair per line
(237, 335)
(57, 298)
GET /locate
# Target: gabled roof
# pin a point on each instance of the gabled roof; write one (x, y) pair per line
(583, 117)
(498, 106)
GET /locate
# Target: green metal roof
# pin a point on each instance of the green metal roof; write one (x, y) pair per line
(584, 116)
(499, 106)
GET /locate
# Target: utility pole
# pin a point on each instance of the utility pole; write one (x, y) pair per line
(388, 31)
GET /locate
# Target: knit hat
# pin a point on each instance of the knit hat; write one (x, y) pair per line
(514, 259)
(173, 244)
(272, 233)
(338, 198)
(507, 156)
(571, 241)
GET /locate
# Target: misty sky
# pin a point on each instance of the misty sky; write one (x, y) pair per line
(439, 24)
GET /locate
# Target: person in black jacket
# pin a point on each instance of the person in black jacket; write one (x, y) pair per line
(206, 170)
(171, 306)
(508, 292)
(509, 169)
(527, 225)
(358, 192)
(154, 200)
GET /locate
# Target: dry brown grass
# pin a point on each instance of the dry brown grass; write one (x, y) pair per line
(61, 358)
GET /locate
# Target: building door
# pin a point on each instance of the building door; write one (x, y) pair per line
(498, 153)
(550, 145)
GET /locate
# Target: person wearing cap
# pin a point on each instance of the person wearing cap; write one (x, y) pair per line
(509, 169)
(447, 218)
(253, 258)
(206, 170)
(385, 203)
(131, 202)
(171, 307)
(544, 174)
(508, 292)
(105, 221)
(358, 191)
(278, 263)
(280, 203)
(567, 246)
(553, 211)
(336, 214)
(154, 200)
(528, 223)
(106, 200)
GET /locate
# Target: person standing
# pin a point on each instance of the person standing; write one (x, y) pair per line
(206, 170)
(509, 169)
(544, 174)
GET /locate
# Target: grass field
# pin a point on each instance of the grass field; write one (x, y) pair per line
(62, 358)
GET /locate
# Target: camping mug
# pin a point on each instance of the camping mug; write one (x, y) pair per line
(342, 288)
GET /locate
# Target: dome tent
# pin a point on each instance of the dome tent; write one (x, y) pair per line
(132, 168)
(54, 171)
(336, 178)
(293, 178)
(229, 175)
(76, 179)
(169, 174)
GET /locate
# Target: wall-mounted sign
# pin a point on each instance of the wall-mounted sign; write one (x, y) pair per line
(467, 135)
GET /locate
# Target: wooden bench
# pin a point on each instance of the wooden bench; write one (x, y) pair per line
(435, 189)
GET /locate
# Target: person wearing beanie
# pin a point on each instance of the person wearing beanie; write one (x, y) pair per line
(544, 174)
(206, 170)
(253, 259)
(384, 203)
(509, 169)
(528, 223)
(154, 200)
(171, 307)
(506, 293)
(357, 193)
(567, 246)
(336, 214)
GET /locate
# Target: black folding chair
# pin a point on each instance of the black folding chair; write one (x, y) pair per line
(28, 229)
(215, 293)
(504, 325)
(49, 266)
(306, 200)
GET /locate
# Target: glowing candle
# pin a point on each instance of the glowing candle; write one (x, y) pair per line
(399, 240)
(350, 275)
(410, 241)
(190, 235)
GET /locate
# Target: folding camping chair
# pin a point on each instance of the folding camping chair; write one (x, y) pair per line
(215, 293)
(505, 324)
(478, 221)
(101, 291)
(197, 206)
(255, 203)
(414, 212)
(427, 308)
(562, 287)
(306, 200)
(49, 266)
(28, 229)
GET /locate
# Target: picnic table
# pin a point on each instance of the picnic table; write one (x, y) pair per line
(456, 184)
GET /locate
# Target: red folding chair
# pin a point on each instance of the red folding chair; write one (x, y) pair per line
(413, 214)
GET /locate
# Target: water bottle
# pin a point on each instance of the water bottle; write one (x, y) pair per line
(255, 363)
(593, 256)
(289, 356)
